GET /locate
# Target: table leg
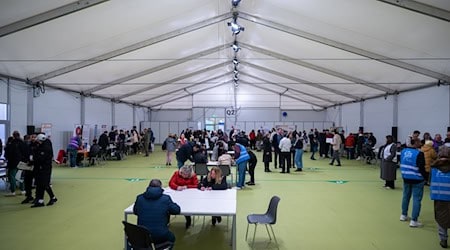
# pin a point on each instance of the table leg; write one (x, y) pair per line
(124, 235)
(233, 233)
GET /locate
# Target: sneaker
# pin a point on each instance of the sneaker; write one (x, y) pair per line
(298, 170)
(415, 223)
(27, 200)
(22, 192)
(443, 243)
(52, 201)
(237, 188)
(387, 187)
(250, 183)
(11, 194)
(338, 165)
(404, 217)
(38, 204)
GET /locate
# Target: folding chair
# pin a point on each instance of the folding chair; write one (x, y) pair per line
(139, 238)
(226, 171)
(269, 218)
(201, 169)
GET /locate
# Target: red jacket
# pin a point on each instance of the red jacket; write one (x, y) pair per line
(176, 180)
(350, 141)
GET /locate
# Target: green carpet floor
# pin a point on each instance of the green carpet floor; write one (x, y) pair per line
(323, 207)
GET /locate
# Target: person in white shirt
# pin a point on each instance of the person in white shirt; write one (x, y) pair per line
(337, 141)
(285, 154)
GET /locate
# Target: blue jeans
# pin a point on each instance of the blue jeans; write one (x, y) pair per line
(72, 156)
(179, 164)
(417, 193)
(241, 170)
(12, 171)
(299, 158)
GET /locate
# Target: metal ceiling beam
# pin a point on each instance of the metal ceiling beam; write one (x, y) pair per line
(155, 69)
(133, 47)
(317, 68)
(185, 87)
(343, 46)
(282, 94)
(421, 8)
(183, 96)
(295, 79)
(290, 89)
(173, 80)
(48, 16)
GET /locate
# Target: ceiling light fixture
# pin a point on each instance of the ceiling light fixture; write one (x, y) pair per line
(235, 3)
(235, 62)
(235, 47)
(235, 27)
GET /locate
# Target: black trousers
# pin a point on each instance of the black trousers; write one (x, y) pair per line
(251, 171)
(43, 184)
(28, 177)
(276, 156)
(285, 161)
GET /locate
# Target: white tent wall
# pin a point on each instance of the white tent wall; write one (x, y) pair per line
(18, 99)
(61, 109)
(426, 110)
(123, 116)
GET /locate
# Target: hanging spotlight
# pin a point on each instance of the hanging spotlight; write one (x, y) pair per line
(235, 3)
(235, 62)
(235, 71)
(235, 27)
(236, 78)
(235, 47)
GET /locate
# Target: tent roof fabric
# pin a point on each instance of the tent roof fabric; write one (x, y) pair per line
(295, 54)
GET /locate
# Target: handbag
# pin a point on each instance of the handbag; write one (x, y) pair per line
(24, 166)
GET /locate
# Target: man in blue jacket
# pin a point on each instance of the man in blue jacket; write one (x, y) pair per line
(153, 209)
(412, 166)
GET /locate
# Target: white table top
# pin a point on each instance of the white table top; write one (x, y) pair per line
(196, 202)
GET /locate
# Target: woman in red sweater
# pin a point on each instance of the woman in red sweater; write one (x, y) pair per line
(183, 179)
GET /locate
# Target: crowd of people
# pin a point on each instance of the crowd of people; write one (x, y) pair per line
(33, 155)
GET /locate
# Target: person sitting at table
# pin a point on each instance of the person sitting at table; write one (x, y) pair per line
(200, 156)
(183, 179)
(214, 181)
(225, 159)
(153, 209)
(94, 151)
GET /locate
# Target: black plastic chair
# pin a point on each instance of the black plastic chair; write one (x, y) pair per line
(201, 169)
(269, 218)
(138, 237)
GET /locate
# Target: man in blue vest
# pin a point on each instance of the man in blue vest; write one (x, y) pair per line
(440, 192)
(412, 166)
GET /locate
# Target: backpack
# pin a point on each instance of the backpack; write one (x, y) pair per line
(164, 145)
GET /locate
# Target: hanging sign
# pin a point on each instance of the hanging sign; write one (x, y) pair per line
(230, 112)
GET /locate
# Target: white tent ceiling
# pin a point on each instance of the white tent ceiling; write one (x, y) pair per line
(295, 54)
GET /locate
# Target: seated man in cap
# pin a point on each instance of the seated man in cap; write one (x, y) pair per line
(153, 209)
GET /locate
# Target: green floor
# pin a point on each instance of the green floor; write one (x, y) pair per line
(323, 207)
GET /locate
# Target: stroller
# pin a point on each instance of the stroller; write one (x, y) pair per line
(368, 154)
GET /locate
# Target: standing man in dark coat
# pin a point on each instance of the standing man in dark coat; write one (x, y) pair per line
(14, 153)
(153, 209)
(388, 154)
(267, 152)
(186, 152)
(43, 164)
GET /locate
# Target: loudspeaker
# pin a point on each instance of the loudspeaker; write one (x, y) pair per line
(361, 129)
(395, 133)
(30, 129)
